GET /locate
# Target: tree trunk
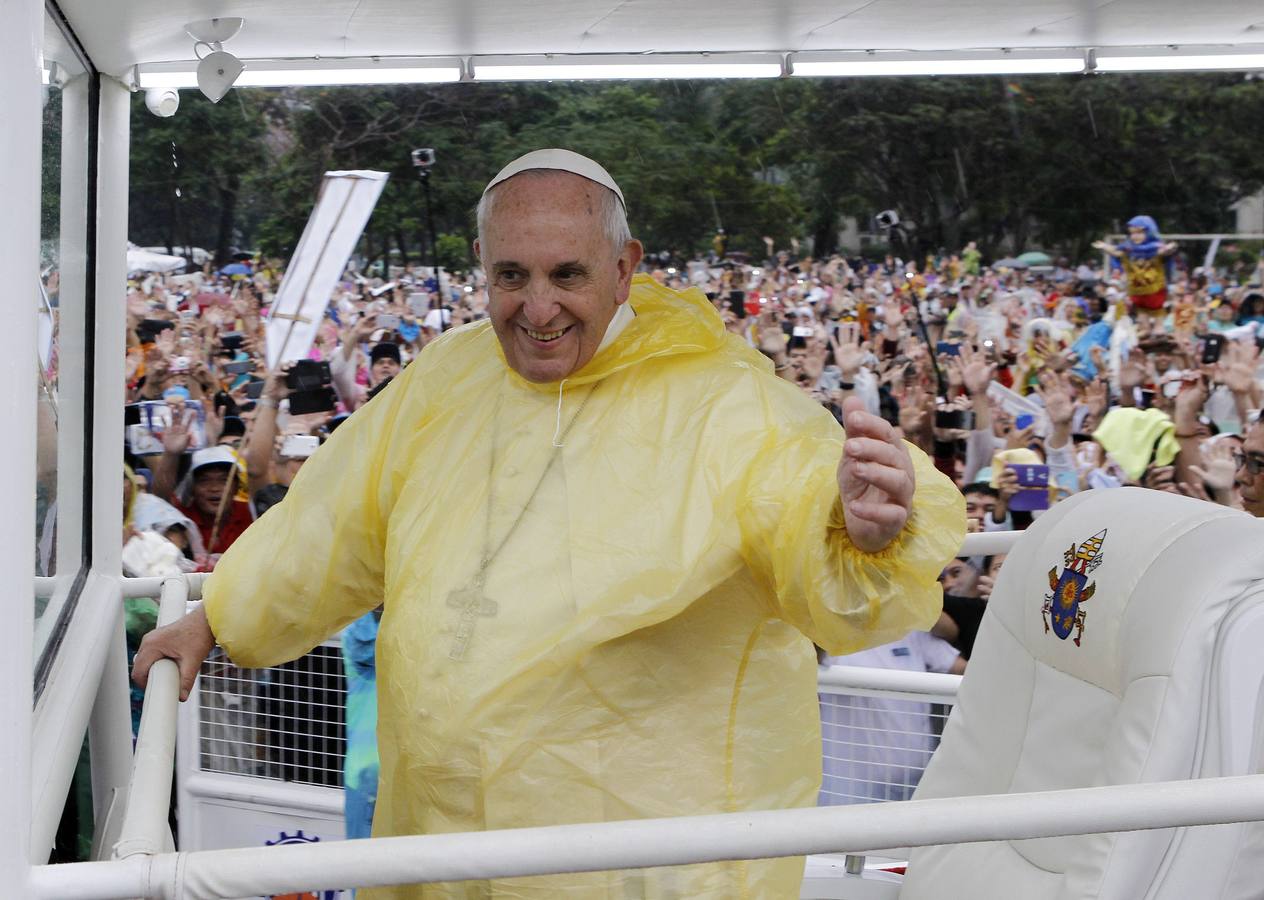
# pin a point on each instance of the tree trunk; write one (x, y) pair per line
(227, 219)
(403, 249)
(825, 232)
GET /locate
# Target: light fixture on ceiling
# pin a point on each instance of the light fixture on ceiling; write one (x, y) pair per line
(315, 73)
(1180, 59)
(1000, 62)
(215, 31)
(601, 67)
(162, 102)
(218, 70)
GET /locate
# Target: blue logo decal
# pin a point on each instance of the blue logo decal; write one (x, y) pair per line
(1061, 611)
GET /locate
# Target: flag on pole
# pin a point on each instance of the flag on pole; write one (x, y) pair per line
(343, 207)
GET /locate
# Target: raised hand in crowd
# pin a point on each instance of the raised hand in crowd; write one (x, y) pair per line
(917, 417)
(213, 421)
(260, 441)
(1096, 397)
(849, 353)
(1132, 374)
(354, 335)
(1160, 478)
(178, 435)
(1056, 393)
(1019, 437)
(772, 342)
(1006, 487)
(975, 371)
(1236, 370)
(1217, 475)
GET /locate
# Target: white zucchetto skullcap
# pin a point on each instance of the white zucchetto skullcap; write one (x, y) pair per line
(562, 160)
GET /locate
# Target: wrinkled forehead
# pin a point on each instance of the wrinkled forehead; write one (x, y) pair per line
(546, 191)
(544, 219)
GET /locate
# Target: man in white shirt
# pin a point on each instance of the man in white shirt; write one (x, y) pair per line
(876, 748)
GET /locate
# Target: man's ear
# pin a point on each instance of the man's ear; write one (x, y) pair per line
(478, 250)
(629, 259)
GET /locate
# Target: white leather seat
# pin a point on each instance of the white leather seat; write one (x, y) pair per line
(1156, 676)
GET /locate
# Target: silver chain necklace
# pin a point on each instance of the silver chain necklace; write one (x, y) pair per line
(471, 600)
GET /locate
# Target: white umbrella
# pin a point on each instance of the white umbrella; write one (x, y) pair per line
(141, 260)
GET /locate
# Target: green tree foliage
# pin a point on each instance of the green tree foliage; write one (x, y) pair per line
(1052, 161)
(455, 252)
(201, 178)
(1049, 161)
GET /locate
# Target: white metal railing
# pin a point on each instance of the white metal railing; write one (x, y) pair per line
(144, 830)
(656, 842)
(152, 587)
(989, 543)
(931, 687)
(144, 833)
(879, 730)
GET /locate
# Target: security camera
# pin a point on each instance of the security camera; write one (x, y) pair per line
(162, 102)
(888, 218)
(216, 73)
(424, 158)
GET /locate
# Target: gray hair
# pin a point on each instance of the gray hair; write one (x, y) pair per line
(610, 213)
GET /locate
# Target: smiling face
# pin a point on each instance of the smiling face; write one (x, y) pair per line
(554, 280)
(1252, 484)
(209, 484)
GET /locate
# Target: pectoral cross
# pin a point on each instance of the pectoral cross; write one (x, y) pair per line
(293, 317)
(472, 604)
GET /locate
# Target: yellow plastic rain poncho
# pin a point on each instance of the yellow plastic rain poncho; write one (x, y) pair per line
(641, 646)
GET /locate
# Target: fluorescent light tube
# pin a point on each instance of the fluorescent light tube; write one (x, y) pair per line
(1176, 63)
(269, 74)
(1001, 65)
(319, 77)
(623, 71)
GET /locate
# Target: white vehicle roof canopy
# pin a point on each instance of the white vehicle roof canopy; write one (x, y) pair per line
(122, 35)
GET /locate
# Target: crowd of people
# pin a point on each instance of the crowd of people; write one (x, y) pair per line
(1024, 386)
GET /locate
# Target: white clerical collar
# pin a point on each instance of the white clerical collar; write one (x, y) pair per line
(623, 315)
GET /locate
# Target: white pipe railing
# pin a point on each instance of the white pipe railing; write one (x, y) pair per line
(656, 842)
(931, 687)
(989, 543)
(152, 587)
(144, 831)
(144, 828)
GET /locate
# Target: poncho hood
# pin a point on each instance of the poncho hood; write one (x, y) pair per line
(667, 323)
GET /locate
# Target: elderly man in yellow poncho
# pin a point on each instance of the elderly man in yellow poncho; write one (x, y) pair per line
(605, 536)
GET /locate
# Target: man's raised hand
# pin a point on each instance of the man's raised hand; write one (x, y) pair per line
(875, 479)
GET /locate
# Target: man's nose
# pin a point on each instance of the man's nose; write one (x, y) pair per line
(540, 307)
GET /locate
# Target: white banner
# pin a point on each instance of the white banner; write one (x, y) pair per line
(342, 210)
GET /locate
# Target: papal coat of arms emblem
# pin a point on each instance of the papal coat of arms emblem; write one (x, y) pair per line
(1072, 588)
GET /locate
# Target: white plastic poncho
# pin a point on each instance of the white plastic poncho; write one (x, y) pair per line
(642, 645)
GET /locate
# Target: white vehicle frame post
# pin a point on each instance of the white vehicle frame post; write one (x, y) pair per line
(20, 57)
(110, 734)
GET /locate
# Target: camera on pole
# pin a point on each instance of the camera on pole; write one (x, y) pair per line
(423, 158)
(898, 232)
(887, 219)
